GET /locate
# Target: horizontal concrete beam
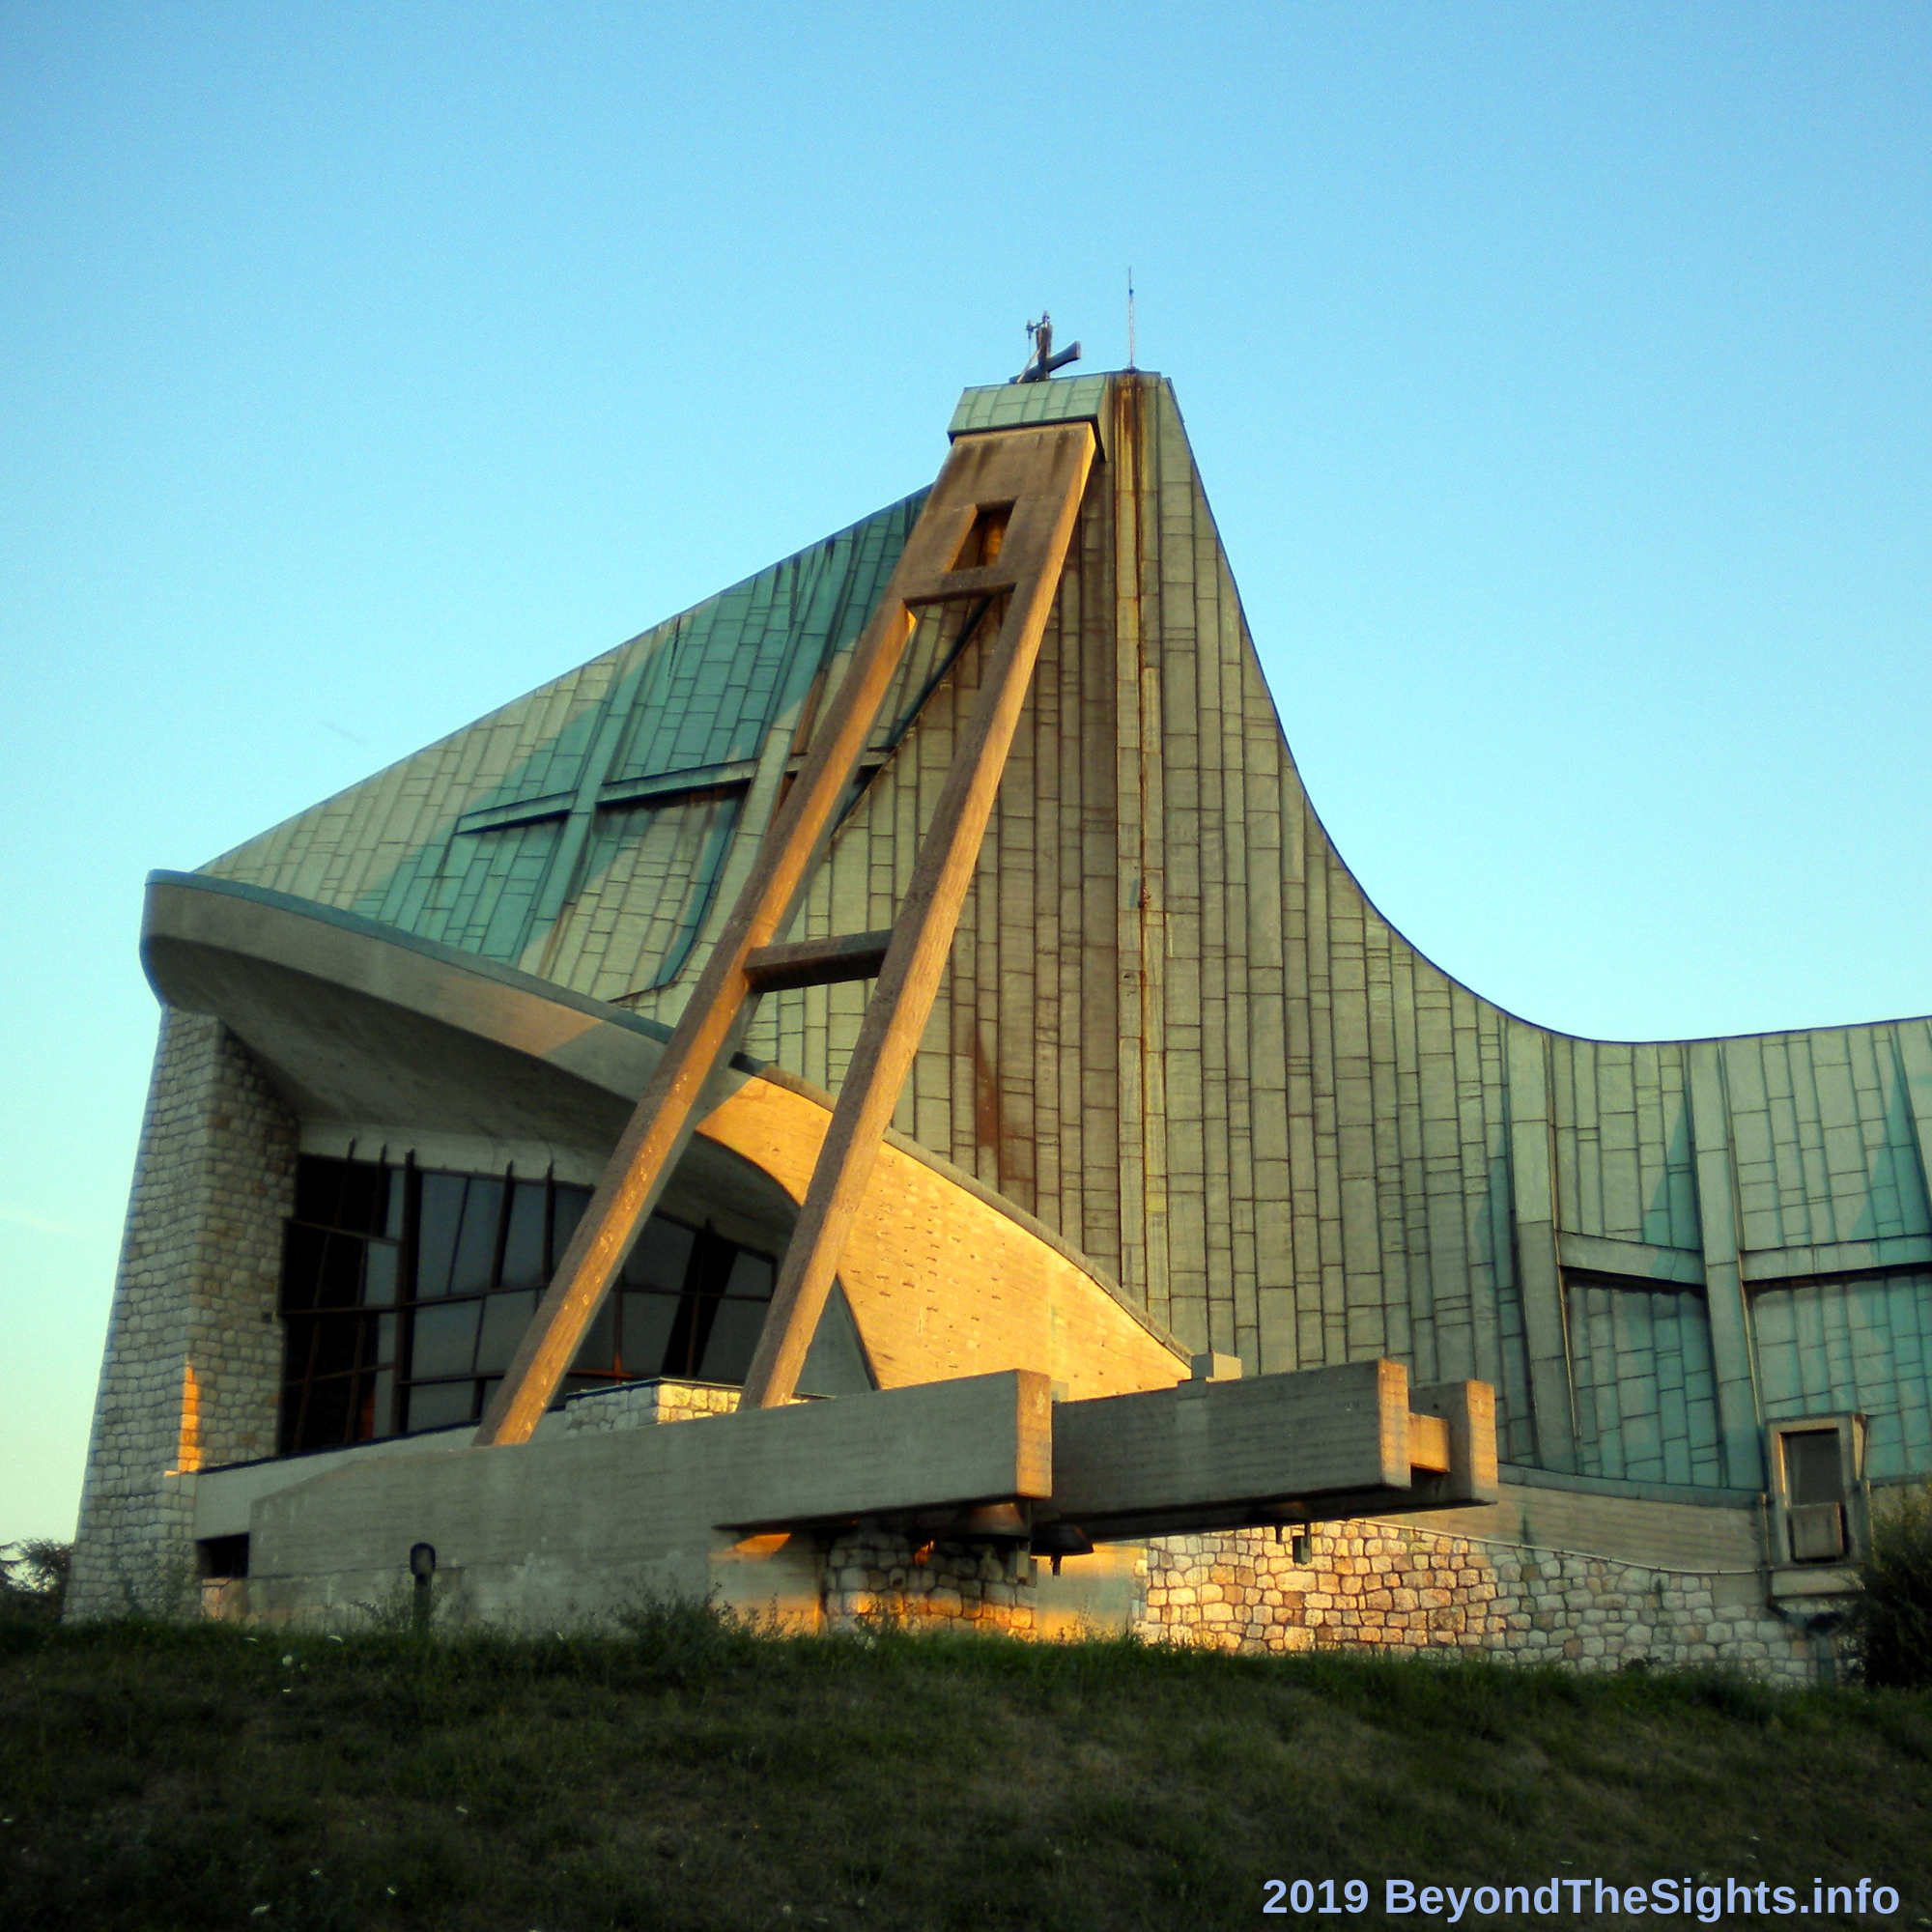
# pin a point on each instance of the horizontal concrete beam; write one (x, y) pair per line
(817, 962)
(1314, 1445)
(982, 1438)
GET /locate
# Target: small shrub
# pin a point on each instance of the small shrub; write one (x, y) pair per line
(681, 1640)
(33, 1581)
(1892, 1622)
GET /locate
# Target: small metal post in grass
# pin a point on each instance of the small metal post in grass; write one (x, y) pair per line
(422, 1567)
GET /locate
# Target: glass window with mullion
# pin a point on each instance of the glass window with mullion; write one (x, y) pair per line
(327, 1354)
(358, 1196)
(440, 1405)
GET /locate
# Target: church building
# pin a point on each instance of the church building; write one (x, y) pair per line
(1226, 1271)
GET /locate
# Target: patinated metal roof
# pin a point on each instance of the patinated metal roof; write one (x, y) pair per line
(643, 756)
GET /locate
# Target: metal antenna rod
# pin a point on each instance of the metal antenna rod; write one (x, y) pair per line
(1131, 363)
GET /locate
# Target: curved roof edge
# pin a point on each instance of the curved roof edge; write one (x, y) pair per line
(248, 954)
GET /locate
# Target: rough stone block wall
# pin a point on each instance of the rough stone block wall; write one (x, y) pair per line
(1408, 1591)
(193, 1361)
(877, 1575)
(644, 1405)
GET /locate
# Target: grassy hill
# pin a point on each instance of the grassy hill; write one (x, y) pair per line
(688, 1773)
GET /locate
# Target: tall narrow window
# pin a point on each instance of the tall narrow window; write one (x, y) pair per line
(342, 1286)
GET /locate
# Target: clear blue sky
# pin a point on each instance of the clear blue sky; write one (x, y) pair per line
(1560, 376)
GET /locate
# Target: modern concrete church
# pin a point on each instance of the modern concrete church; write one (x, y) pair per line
(878, 1096)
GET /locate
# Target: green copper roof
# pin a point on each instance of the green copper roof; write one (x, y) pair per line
(648, 749)
(632, 772)
(1010, 405)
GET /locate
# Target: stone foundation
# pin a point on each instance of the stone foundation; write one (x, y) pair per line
(879, 1575)
(1363, 1584)
(1408, 1591)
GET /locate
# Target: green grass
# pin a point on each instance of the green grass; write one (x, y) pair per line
(690, 1772)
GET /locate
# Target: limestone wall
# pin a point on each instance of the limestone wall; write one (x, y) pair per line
(643, 1405)
(1410, 1590)
(193, 1359)
(1362, 1584)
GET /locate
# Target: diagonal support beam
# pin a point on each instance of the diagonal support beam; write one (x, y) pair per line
(997, 522)
(921, 939)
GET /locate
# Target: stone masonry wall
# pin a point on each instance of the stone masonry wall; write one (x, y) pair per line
(1411, 1590)
(879, 1574)
(643, 1405)
(193, 1361)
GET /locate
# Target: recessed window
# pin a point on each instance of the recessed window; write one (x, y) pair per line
(1818, 1489)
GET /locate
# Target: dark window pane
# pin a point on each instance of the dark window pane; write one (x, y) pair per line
(366, 1197)
(647, 1319)
(318, 1189)
(379, 1275)
(505, 1316)
(302, 1253)
(440, 1216)
(476, 1245)
(523, 1249)
(750, 1275)
(365, 1408)
(689, 1328)
(1811, 1471)
(329, 1413)
(440, 1404)
(339, 1283)
(321, 1345)
(321, 1270)
(662, 1257)
(386, 1337)
(571, 1201)
(598, 1350)
(298, 1339)
(577, 1384)
(443, 1341)
(735, 1334)
(351, 1194)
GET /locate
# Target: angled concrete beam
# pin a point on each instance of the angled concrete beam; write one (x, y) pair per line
(980, 473)
(1040, 474)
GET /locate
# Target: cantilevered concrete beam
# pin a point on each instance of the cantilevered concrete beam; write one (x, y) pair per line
(1310, 1446)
